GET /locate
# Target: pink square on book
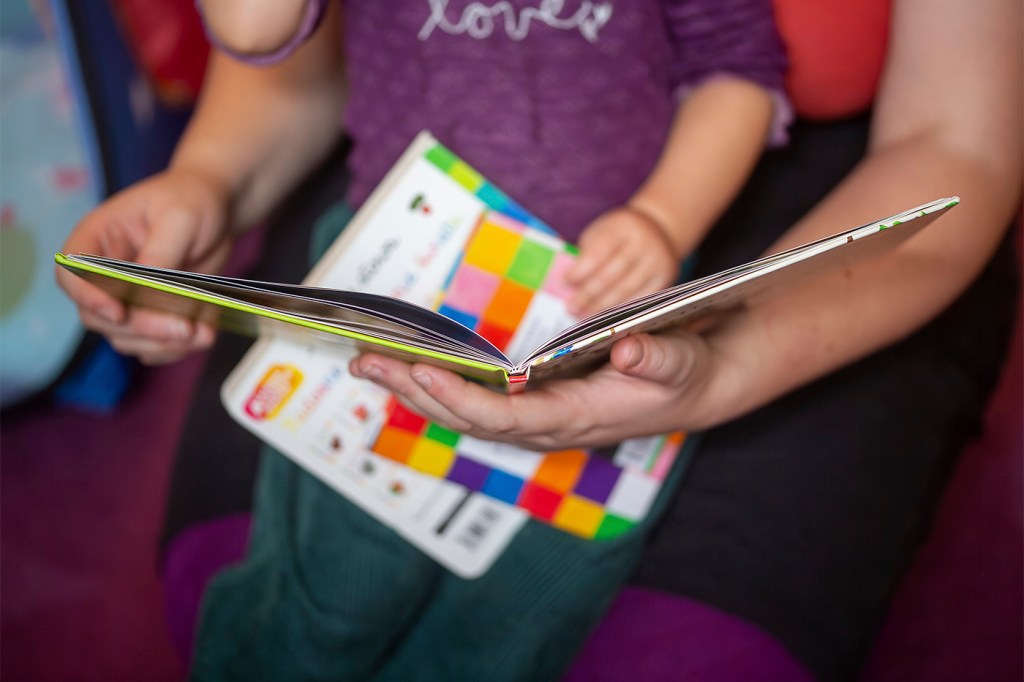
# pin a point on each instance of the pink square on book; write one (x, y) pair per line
(555, 283)
(471, 290)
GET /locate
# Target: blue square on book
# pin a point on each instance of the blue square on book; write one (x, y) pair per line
(492, 196)
(461, 317)
(517, 212)
(502, 486)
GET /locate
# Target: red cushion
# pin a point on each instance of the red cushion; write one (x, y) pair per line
(836, 49)
(168, 40)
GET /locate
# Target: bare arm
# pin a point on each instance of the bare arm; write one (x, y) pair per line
(255, 133)
(947, 121)
(259, 130)
(717, 135)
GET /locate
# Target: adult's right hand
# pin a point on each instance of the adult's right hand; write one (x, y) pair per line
(176, 219)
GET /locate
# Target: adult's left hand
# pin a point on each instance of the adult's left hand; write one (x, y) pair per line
(652, 384)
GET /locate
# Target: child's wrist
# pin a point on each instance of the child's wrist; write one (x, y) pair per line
(668, 225)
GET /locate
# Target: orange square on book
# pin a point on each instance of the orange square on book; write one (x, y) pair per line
(559, 470)
(508, 305)
(396, 444)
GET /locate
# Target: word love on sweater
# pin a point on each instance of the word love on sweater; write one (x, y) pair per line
(479, 20)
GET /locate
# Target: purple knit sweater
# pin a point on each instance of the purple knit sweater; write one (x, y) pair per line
(564, 104)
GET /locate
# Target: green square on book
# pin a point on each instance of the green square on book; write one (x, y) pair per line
(465, 176)
(612, 527)
(531, 264)
(442, 435)
(441, 157)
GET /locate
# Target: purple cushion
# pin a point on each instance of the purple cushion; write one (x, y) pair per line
(651, 636)
(190, 560)
(646, 634)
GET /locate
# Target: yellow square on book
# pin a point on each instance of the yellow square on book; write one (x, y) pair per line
(492, 248)
(579, 516)
(431, 457)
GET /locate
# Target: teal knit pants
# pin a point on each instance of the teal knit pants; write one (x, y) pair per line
(326, 592)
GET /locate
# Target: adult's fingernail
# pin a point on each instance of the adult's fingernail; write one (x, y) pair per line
(423, 379)
(370, 371)
(636, 356)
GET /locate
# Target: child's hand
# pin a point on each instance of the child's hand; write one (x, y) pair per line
(177, 219)
(624, 254)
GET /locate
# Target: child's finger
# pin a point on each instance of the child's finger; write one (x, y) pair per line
(608, 277)
(629, 285)
(587, 265)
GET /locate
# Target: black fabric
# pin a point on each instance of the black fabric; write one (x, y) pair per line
(802, 516)
(216, 461)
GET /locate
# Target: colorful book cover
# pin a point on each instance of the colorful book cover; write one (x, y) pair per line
(438, 234)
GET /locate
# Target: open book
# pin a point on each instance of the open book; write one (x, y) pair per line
(517, 261)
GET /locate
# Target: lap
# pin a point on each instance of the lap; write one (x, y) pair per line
(802, 516)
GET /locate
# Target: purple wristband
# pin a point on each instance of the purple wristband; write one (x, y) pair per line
(312, 15)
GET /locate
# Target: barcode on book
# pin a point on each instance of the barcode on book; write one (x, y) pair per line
(477, 530)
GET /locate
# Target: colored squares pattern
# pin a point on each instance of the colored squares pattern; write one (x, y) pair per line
(470, 179)
(490, 291)
(503, 266)
(581, 493)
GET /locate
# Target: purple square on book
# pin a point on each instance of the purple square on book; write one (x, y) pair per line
(597, 480)
(468, 473)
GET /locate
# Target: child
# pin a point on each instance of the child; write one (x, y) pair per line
(626, 125)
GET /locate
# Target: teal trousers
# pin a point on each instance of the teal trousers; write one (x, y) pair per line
(326, 592)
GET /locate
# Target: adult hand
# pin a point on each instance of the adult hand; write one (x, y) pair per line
(624, 254)
(177, 219)
(652, 384)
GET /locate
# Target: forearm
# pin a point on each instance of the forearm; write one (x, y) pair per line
(834, 320)
(717, 136)
(258, 131)
(938, 130)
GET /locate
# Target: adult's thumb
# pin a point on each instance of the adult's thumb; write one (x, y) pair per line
(668, 359)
